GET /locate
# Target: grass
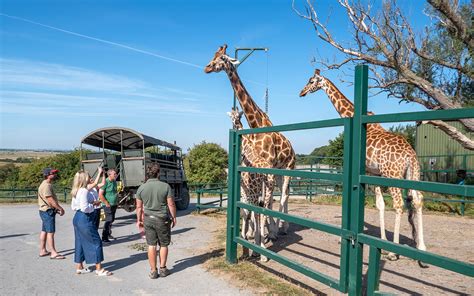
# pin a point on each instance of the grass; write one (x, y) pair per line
(245, 273)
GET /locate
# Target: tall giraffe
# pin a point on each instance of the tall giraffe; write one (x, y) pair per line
(251, 183)
(272, 147)
(387, 155)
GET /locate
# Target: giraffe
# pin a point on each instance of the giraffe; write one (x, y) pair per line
(387, 155)
(251, 183)
(272, 147)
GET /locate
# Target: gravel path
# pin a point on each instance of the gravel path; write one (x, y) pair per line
(22, 272)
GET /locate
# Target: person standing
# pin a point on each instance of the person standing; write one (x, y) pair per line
(87, 243)
(48, 207)
(108, 196)
(155, 199)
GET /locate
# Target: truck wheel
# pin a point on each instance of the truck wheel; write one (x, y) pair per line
(129, 205)
(183, 203)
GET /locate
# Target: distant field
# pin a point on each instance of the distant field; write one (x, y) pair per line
(14, 155)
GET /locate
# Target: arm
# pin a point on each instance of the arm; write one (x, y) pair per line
(53, 203)
(96, 181)
(172, 207)
(139, 213)
(102, 198)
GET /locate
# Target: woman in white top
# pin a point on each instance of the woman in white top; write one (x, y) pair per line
(88, 246)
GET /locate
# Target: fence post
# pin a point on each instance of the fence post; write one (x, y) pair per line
(199, 201)
(231, 246)
(358, 168)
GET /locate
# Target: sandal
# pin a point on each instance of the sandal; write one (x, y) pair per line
(83, 271)
(103, 272)
(58, 256)
(45, 254)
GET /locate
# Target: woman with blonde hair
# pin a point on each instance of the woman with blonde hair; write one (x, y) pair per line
(88, 246)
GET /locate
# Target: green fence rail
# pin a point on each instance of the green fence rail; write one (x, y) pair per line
(354, 181)
(19, 194)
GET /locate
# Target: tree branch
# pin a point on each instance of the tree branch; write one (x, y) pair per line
(453, 133)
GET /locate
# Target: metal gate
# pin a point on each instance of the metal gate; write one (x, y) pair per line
(354, 180)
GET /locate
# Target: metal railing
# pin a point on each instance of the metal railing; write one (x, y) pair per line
(354, 180)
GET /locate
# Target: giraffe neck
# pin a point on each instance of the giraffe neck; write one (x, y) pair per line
(254, 115)
(343, 106)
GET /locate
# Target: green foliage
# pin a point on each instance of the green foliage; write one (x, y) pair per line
(9, 175)
(335, 150)
(407, 131)
(31, 175)
(206, 163)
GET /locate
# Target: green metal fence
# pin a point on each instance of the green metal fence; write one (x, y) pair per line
(354, 181)
(22, 194)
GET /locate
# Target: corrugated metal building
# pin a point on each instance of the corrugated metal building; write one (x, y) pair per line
(438, 152)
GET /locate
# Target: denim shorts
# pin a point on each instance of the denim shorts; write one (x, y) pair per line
(49, 220)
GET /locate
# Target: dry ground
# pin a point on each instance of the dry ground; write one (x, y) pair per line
(445, 235)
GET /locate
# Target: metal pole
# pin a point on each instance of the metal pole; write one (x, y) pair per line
(231, 246)
(358, 189)
(236, 56)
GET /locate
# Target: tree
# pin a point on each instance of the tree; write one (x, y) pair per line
(206, 163)
(335, 151)
(406, 131)
(433, 68)
(9, 175)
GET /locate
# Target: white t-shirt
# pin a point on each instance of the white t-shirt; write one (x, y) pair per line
(82, 201)
(94, 195)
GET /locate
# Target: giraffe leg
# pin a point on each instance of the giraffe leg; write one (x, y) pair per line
(398, 206)
(418, 204)
(251, 228)
(380, 204)
(245, 223)
(268, 203)
(284, 203)
(262, 244)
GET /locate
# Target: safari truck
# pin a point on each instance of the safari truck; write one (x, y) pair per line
(130, 153)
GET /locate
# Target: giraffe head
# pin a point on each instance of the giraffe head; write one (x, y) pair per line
(235, 116)
(221, 61)
(315, 83)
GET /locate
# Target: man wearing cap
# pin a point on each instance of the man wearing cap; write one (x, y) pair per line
(48, 207)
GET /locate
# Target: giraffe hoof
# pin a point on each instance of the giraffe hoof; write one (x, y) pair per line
(422, 265)
(392, 256)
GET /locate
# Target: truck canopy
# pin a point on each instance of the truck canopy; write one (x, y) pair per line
(114, 138)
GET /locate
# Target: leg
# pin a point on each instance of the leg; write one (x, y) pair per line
(245, 223)
(113, 211)
(152, 257)
(398, 206)
(418, 204)
(43, 249)
(163, 256)
(263, 258)
(107, 224)
(284, 203)
(268, 203)
(380, 204)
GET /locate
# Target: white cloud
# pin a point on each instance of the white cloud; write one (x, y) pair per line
(28, 87)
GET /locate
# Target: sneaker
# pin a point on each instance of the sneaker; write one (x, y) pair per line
(111, 237)
(164, 272)
(153, 274)
(105, 240)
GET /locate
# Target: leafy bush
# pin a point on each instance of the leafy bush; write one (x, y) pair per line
(206, 163)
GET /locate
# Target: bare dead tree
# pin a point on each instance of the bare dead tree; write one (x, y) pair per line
(433, 68)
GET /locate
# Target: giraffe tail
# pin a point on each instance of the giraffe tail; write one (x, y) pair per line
(409, 202)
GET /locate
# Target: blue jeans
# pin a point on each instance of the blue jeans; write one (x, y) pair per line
(88, 246)
(49, 221)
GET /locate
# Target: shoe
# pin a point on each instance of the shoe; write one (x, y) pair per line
(105, 240)
(164, 272)
(153, 274)
(103, 272)
(83, 271)
(111, 237)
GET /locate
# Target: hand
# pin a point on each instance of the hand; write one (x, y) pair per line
(61, 211)
(173, 222)
(99, 170)
(107, 205)
(140, 224)
(96, 202)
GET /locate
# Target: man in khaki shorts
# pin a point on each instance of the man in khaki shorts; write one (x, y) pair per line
(155, 199)
(48, 207)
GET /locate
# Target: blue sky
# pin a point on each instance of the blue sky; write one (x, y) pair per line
(56, 87)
